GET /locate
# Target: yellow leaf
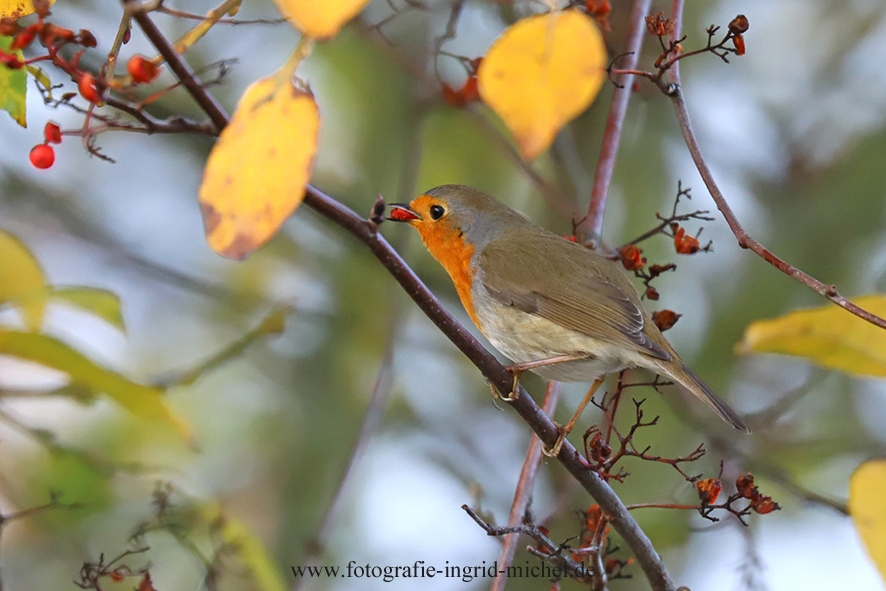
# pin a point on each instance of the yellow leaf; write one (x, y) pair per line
(542, 72)
(828, 336)
(13, 85)
(145, 402)
(22, 282)
(16, 9)
(256, 173)
(868, 510)
(247, 548)
(100, 302)
(319, 19)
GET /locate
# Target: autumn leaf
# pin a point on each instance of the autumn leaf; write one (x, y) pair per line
(319, 19)
(246, 548)
(99, 302)
(22, 282)
(542, 72)
(828, 336)
(145, 402)
(257, 171)
(13, 85)
(16, 9)
(868, 511)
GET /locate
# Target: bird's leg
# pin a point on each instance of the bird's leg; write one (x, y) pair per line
(518, 368)
(567, 428)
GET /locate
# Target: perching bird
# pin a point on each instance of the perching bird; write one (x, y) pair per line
(552, 306)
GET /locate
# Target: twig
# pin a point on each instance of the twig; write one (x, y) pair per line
(591, 227)
(371, 422)
(674, 91)
(523, 492)
(547, 548)
(648, 559)
(53, 503)
(178, 66)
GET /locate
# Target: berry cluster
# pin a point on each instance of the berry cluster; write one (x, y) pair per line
(90, 86)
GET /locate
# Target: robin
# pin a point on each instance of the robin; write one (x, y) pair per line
(552, 306)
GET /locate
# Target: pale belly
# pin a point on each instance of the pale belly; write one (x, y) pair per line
(524, 337)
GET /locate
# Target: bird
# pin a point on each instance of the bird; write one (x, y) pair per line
(551, 305)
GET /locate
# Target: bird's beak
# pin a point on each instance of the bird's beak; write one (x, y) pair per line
(402, 213)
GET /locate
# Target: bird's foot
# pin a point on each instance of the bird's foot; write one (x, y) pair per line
(554, 451)
(515, 389)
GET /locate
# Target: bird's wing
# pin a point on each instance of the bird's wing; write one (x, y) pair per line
(569, 285)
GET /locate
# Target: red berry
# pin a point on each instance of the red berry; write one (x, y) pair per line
(142, 70)
(88, 89)
(52, 133)
(42, 156)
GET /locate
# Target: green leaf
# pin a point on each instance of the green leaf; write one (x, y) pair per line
(100, 302)
(868, 510)
(22, 282)
(828, 336)
(41, 78)
(145, 402)
(274, 323)
(13, 87)
(250, 550)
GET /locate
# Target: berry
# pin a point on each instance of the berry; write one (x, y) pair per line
(142, 70)
(88, 89)
(42, 156)
(52, 133)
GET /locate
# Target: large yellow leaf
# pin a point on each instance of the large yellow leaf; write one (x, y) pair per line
(868, 510)
(15, 9)
(22, 283)
(13, 87)
(542, 72)
(320, 19)
(145, 402)
(829, 336)
(256, 173)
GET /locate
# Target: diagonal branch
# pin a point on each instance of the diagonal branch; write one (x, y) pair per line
(675, 92)
(365, 231)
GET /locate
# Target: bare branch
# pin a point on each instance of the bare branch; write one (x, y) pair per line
(591, 227)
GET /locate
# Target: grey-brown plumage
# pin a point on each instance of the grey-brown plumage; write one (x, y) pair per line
(535, 295)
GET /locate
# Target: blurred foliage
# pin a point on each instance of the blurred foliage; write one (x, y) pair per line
(274, 426)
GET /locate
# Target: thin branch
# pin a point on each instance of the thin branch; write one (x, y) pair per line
(744, 239)
(523, 492)
(675, 92)
(371, 422)
(547, 548)
(623, 523)
(591, 227)
(178, 66)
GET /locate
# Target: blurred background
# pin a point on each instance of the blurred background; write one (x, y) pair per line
(795, 132)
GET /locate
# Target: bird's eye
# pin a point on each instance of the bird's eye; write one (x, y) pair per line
(437, 212)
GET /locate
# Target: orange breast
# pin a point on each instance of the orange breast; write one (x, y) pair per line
(448, 246)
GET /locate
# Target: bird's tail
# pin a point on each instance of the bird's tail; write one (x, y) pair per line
(684, 376)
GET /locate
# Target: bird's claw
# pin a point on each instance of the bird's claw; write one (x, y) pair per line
(512, 396)
(554, 450)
